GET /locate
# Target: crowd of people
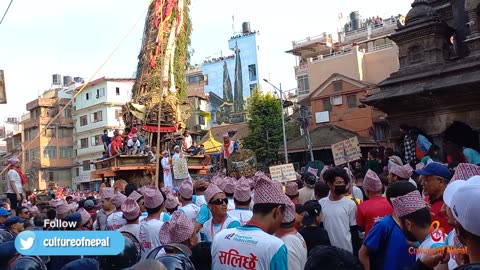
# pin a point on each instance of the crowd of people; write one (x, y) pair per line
(324, 220)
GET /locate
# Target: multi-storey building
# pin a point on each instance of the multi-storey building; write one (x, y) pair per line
(47, 141)
(198, 123)
(363, 52)
(97, 107)
(333, 75)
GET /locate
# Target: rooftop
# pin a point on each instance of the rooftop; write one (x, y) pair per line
(105, 79)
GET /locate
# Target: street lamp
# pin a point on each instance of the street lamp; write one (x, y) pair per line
(283, 121)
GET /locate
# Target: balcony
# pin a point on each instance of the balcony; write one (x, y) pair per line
(386, 28)
(301, 69)
(45, 120)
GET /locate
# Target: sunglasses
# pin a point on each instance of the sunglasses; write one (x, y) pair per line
(219, 201)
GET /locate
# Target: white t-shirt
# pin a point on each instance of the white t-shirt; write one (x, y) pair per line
(188, 141)
(338, 216)
(199, 200)
(191, 211)
(248, 248)
(115, 221)
(297, 250)
(13, 176)
(231, 205)
(131, 143)
(210, 230)
(131, 228)
(357, 193)
(427, 245)
(243, 215)
(149, 235)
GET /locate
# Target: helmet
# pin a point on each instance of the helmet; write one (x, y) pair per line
(176, 262)
(29, 263)
(169, 248)
(127, 258)
(5, 236)
(134, 239)
(83, 263)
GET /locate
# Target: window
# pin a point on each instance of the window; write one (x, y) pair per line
(252, 72)
(77, 171)
(51, 176)
(66, 152)
(35, 113)
(327, 106)
(201, 120)
(303, 85)
(337, 86)
(83, 121)
(86, 165)
(117, 91)
(31, 134)
(50, 152)
(34, 153)
(64, 132)
(67, 113)
(97, 140)
(87, 96)
(380, 132)
(195, 78)
(352, 101)
(100, 93)
(84, 143)
(118, 114)
(336, 100)
(252, 86)
(96, 117)
(50, 132)
(27, 156)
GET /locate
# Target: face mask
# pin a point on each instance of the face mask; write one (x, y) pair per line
(340, 189)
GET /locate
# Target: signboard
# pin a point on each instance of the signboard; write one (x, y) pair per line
(283, 173)
(180, 168)
(3, 91)
(346, 151)
(81, 179)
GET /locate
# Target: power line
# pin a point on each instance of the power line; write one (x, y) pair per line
(4, 14)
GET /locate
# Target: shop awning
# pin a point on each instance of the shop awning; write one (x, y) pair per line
(163, 129)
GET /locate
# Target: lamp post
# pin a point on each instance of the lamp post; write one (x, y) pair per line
(283, 121)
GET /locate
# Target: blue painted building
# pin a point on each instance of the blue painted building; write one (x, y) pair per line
(233, 77)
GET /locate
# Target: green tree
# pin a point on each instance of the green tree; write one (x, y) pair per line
(265, 127)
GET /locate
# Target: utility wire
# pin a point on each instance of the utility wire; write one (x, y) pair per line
(4, 14)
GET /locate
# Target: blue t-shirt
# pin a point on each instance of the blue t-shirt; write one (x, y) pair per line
(472, 156)
(394, 254)
(204, 214)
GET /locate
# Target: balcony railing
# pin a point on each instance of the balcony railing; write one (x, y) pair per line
(302, 69)
(299, 43)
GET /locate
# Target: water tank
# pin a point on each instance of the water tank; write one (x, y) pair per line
(246, 27)
(355, 20)
(57, 79)
(67, 80)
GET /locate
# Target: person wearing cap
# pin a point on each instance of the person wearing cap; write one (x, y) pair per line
(179, 230)
(220, 219)
(291, 190)
(171, 203)
(261, 249)
(228, 147)
(107, 208)
(178, 154)
(400, 173)
(4, 214)
(312, 231)
(63, 209)
(131, 213)
(86, 223)
(14, 225)
(133, 145)
(16, 180)
(434, 179)
(242, 199)
(307, 192)
(115, 220)
(385, 246)
(166, 163)
(376, 207)
(74, 221)
(340, 213)
(89, 206)
(199, 188)
(190, 209)
(296, 246)
(150, 226)
(229, 189)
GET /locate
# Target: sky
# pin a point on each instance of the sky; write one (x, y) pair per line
(41, 38)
